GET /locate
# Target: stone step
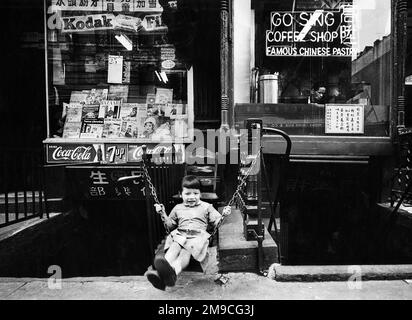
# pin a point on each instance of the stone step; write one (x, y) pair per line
(339, 272)
(235, 253)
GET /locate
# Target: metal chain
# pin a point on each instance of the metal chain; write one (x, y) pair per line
(243, 180)
(237, 195)
(154, 193)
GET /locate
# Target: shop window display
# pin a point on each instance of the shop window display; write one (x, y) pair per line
(330, 63)
(114, 74)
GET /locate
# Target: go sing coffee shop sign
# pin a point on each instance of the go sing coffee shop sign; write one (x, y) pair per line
(310, 33)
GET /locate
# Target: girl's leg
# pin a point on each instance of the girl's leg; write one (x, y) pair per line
(173, 252)
(182, 261)
(165, 265)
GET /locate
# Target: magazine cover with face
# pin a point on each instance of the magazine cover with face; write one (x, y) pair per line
(149, 127)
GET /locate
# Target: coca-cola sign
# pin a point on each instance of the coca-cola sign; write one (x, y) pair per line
(164, 151)
(71, 153)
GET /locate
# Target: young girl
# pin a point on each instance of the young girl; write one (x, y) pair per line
(189, 221)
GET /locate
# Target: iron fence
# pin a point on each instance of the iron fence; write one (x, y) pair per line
(21, 185)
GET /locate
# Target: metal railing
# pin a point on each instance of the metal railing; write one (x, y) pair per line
(21, 185)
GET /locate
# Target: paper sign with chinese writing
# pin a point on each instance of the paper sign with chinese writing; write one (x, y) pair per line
(115, 70)
(107, 5)
(132, 5)
(344, 119)
(77, 5)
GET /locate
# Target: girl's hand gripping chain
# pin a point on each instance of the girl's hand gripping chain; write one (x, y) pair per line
(160, 209)
(226, 211)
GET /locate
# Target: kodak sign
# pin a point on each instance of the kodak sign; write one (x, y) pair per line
(88, 23)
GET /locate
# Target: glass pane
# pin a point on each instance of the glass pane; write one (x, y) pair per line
(328, 58)
(113, 73)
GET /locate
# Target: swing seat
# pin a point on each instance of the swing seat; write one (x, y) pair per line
(194, 265)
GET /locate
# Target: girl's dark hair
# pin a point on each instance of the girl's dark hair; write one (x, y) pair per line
(190, 182)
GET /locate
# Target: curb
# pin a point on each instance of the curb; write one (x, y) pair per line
(340, 272)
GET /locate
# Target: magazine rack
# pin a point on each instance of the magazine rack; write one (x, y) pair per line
(114, 83)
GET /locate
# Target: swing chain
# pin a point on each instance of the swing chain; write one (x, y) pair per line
(242, 182)
(151, 186)
(237, 195)
(153, 193)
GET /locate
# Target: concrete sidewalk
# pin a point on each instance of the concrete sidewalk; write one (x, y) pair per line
(198, 286)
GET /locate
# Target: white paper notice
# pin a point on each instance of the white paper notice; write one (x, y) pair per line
(115, 69)
(344, 119)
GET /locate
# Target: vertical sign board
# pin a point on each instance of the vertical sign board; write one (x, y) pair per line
(344, 119)
(317, 33)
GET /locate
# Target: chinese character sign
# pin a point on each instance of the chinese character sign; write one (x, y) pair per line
(107, 5)
(344, 119)
(101, 183)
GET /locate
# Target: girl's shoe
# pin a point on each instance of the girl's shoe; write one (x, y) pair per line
(155, 279)
(166, 271)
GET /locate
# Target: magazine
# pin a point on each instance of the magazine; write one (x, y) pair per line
(163, 131)
(129, 129)
(92, 112)
(78, 96)
(150, 124)
(155, 109)
(164, 95)
(111, 109)
(91, 128)
(72, 112)
(131, 110)
(111, 128)
(175, 110)
(179, 128)
(71, 130)
(96, 96)
(118, 92)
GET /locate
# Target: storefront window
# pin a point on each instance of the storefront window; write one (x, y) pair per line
(113, 73)
(408, 68)
(324, 65)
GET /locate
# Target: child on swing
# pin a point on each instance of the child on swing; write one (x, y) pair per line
(189, 238)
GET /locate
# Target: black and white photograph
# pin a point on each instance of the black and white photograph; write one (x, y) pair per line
(208, 156)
